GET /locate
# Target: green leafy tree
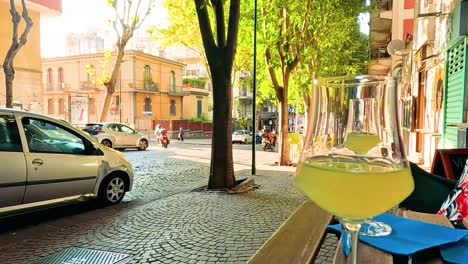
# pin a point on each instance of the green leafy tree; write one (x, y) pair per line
(335, 47)
(129, 15)
(183, 28)
(284, 38)
(219, 40)
(16, 45)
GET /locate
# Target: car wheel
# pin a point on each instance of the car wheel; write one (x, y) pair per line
(107, 143)
(245, 141)
(112, 190)
(143, 144)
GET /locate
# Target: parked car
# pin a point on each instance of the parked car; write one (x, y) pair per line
(116, 135)
(46, 160)
(242, 136)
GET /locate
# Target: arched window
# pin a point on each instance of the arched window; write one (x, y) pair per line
(61, 106)
(147, 104)
(50, 79)
(92, 106)
(147, 78)
(60, 78)
(172, 81)
(50, 106)
(172, 108)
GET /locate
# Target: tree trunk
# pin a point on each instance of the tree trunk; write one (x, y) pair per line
(221, 169)
(9, 76)
(310, 115)
(105, 106)
(110, 85)
(283, 134)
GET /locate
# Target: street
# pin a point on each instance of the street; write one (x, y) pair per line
(163, 219)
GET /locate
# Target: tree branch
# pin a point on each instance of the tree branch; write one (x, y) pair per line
(205, 26)
(219, 22)
(148, 11)
(29, 24)
(271, 71)
(233, 29)
(135, 16)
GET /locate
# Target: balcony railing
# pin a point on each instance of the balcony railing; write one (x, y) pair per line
(58, 87)
(148, 85)
(176, 90)
(268, 115)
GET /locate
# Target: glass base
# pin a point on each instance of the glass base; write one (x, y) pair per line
(374, 229)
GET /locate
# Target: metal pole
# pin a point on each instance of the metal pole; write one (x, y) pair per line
(120, 93)
(254, 86)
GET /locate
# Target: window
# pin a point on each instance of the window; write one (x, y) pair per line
(47, 137)
(50, 79)
(61, 106)
(172, 81)
(50, 106)
(172, 108)
(92, 106)
(61, 82)
(9, 134)
(126, 129)
(199, 107)
(147, 105)
(147, 78)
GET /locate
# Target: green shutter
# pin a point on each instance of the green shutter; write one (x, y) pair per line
(454, 99)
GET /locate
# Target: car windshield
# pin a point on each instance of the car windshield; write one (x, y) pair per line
(238, 133)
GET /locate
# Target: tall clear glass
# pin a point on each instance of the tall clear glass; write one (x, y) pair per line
(354, 164)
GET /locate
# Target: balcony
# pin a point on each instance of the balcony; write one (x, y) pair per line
(58, 87)
(147, 85)
(380, 61)
(196, 73)
(176, 90)
(268, 115)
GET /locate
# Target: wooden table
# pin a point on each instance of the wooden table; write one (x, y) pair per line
(299, 238)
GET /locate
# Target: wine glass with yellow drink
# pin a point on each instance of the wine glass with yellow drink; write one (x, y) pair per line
(362, 136)
(354, 164)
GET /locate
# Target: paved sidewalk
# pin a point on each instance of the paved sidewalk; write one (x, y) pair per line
(164, 221)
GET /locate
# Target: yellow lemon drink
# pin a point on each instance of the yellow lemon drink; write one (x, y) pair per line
(360, 142)
(353, 189)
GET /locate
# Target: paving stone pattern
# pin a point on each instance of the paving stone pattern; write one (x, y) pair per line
(163, 220)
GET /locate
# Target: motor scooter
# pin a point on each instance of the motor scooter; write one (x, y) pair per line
(164, 139)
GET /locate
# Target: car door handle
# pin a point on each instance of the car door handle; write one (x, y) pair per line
(37, 162)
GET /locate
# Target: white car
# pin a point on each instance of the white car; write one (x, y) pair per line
(46, 160)
(118, 136)
(242, 136)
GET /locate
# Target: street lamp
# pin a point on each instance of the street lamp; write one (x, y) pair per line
(254, 86)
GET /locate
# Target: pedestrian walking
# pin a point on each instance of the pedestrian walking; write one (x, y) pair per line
(157, 132)
(181, 134)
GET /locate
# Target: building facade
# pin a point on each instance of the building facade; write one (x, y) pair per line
(27, 85)
(148, 89)
(432, 72)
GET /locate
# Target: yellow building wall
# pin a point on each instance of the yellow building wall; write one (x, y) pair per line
(27, 88)
(190, 106)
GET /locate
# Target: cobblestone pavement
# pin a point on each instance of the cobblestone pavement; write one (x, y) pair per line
(163, 220)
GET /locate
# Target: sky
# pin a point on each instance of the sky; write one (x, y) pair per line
(80, 15)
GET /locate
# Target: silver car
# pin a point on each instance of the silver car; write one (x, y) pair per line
(116, 135)
(45, 160)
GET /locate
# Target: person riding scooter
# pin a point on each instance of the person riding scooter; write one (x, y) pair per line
(164, 138)
(267, 139)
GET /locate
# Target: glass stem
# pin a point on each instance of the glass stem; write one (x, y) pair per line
(350, 241)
